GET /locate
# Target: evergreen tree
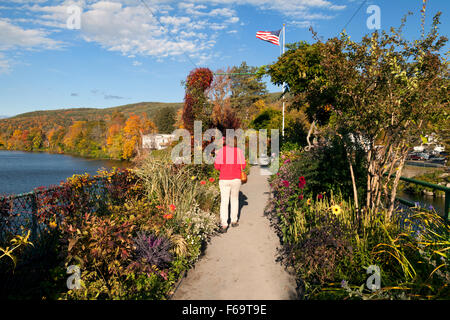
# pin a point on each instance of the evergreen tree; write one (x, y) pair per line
(245, 90)
(165, 120)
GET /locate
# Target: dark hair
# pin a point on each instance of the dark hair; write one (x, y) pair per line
(232, 143)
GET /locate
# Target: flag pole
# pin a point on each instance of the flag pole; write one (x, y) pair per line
(284, 36)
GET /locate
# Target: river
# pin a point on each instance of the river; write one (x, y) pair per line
(21, 172)
(437, 202)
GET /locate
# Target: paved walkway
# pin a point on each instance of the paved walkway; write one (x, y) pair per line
(240, 264)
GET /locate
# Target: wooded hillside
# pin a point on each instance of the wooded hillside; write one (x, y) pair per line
(99, 133)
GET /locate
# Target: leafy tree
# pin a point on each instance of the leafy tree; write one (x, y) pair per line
(223, 116)
(301, 70)
(269, 118)
(381, 93)
(196, 105)
(387, 90)
(165, 120)
(245, 90)
(135, 128)
(37, 138)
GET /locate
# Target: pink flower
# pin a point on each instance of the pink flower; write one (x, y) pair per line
(320, 196)
(287, 161)
(286, 183)
(300, 197)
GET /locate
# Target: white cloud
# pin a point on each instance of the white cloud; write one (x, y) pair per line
(191, 27)
(225, 12)
(13, 36)
(137, 63)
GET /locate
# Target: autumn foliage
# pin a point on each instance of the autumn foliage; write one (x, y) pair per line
(196, 106)
(115, 137)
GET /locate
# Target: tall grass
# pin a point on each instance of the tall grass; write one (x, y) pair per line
(329, 246)
(176, 184)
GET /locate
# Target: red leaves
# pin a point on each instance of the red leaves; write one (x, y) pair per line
(197, 82)
(200, 78)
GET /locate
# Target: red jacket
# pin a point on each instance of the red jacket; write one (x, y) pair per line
(229, 168)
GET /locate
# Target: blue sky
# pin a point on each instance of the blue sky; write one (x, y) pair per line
(121, 54)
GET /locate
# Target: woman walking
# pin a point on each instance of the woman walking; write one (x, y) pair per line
(229, 161)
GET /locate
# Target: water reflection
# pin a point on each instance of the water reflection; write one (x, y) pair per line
(438, 203)
(23, 171)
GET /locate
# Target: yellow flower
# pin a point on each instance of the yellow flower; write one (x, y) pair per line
(308, 202)
(52, 224)
(193, 177)
(336, 209)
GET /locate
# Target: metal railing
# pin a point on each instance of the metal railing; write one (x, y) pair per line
(428, 185)
(23, 211)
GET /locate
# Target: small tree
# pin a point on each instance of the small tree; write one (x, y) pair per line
(165, 120)
(246, 89)
(196, 106)
(301, 70)
(388, 92)
(223, 116)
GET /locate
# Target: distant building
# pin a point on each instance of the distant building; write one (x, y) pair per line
(430, 145)
(157, 141)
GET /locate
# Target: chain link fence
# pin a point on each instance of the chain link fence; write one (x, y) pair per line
(42, 210)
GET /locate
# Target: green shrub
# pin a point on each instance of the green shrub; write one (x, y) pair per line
(330, 245)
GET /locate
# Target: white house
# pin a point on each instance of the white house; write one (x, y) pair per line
(157, 141)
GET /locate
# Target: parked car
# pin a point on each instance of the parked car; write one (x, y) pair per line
(424, 155)
(414, 157)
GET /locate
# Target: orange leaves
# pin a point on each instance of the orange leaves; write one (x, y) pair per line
(74, 133)
(129, 147)
(114, 136)
(133, 126)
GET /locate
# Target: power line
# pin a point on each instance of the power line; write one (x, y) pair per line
(168, 32)
(350, 20)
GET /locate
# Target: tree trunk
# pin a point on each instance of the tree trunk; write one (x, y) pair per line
(352, 174)
(311, 127)
(398, 174)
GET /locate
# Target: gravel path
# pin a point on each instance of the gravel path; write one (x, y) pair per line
(240, 264)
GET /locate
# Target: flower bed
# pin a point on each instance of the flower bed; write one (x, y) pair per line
(133, 240)
(330, 245)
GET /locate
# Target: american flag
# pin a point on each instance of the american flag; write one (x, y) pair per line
(269, 36)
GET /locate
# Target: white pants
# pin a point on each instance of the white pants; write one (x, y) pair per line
(229, 190)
